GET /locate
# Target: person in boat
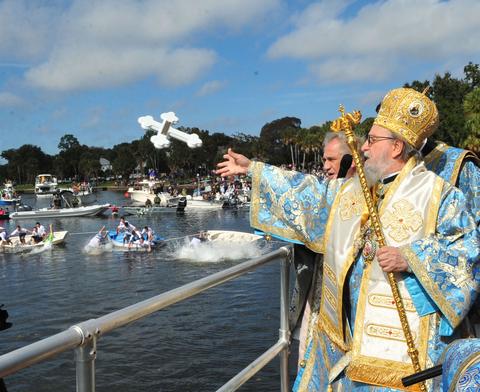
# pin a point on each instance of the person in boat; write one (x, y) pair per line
(433, 247)
(57, 200)
(123, 225)
(4, 237)
(131, 233)
(147, 233)
(101, 238)
(132, 236)
(21, 232)
(39, 233)
(2, 211)
(142, 243)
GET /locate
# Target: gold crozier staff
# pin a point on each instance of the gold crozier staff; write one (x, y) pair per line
(345, 124)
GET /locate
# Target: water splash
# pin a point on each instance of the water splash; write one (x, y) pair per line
(96, 247)
(216, 251)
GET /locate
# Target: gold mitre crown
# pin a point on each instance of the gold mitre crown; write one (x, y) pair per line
(409, 114)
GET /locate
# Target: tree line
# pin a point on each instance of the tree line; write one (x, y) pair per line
(282, 141)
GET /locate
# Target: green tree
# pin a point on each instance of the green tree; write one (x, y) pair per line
(448, 94)
(26, 162)
(472, 75)
(271, 138)
(67, 142)
(124, 162)
(471, 107)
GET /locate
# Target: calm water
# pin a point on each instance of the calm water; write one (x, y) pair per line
(196, 345)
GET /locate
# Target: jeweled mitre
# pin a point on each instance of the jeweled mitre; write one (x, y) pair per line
(409, 114)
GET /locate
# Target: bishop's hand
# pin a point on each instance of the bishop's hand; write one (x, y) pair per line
(233, 164)
(391, 259)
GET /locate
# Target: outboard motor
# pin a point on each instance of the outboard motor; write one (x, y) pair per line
(24, 207)
(4, 324)
(182, 203)
(232, 202)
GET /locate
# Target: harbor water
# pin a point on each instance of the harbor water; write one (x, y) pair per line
(195, 345)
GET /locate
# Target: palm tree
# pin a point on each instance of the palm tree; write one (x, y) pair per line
(288, 139)
(471, 107)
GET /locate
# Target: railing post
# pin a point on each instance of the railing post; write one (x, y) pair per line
(85, 365)
(284, 328)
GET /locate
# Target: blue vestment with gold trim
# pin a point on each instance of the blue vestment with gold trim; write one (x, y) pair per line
(296, 207)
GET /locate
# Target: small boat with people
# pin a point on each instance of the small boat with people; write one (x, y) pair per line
(126, 237)
(150, 192)
(9, 200)
(126, 242)
(80, 194)
(45, 185)
(22, 239)
(93, 210)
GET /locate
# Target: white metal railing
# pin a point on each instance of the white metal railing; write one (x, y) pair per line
(83, 337)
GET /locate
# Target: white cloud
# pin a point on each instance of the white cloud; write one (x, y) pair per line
(78, 68)
(367, 44)
(25, 29)
(110, 43)
(9, 100)
(211, 87)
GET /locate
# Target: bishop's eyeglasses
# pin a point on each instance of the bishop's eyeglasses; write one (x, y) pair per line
(371, 139)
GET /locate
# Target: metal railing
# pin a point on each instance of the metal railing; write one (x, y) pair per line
(83, 337)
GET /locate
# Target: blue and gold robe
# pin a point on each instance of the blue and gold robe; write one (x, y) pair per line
(460, 168)
(297, 207)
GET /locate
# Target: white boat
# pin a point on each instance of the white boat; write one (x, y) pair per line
(197, 203)
(8, 198)
(96, 209)
(218, 245)
(137, 210)
(150, 190)
(16, 246)
(45, 185)
(79, 195)
(231, 236)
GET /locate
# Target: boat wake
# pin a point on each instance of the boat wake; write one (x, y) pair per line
(216, 251)
(46, 247)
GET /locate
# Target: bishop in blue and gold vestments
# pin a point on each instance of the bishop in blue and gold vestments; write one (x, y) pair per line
(357, 342)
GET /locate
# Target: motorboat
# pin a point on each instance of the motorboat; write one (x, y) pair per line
(93, 210)
(45, 185)
(83, 193)
(8, 200)
(231, 236)
(149, 192)
(198, 203)
(55, 238)
(151, 210)
(217, 245)
(117, 240)
(78, 196)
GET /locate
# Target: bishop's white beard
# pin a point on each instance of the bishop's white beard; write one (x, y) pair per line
(375, 170)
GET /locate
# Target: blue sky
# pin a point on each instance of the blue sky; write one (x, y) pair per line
(91, 68)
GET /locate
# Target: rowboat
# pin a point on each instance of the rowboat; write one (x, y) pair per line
(56, 238)
(116, 239)
(96, 209)
(231, 236)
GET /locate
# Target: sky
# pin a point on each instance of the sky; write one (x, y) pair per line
(91, 68)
